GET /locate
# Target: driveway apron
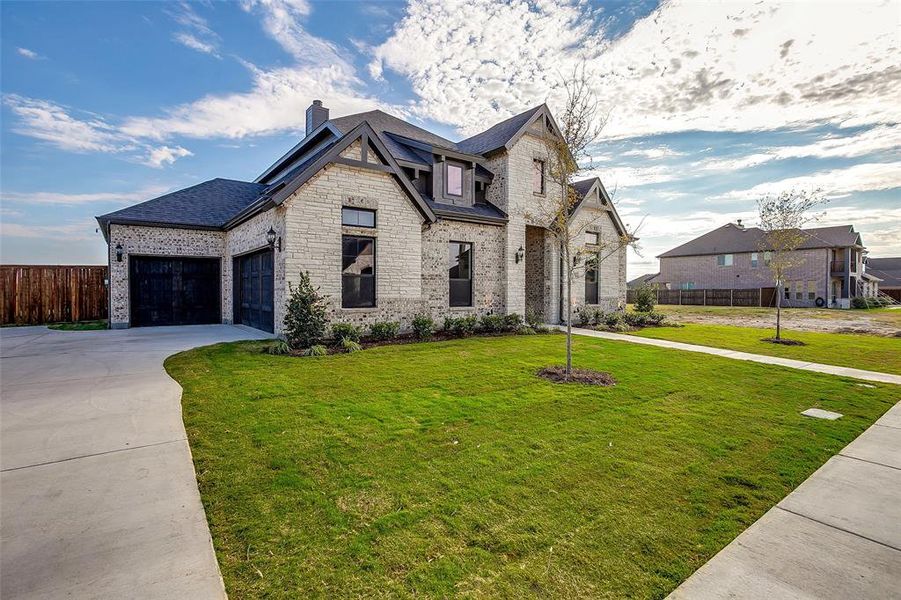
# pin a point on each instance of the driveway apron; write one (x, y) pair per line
(99, 497)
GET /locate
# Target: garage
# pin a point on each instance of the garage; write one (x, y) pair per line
(169, 290)
(254, 293)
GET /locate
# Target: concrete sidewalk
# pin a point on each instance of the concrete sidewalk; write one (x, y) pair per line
(99, 497)
(759, 358)
(837, 536)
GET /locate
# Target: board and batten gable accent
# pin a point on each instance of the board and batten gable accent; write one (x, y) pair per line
(153, 241)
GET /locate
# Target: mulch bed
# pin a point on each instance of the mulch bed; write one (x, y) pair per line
(557, 374)
(784, 342)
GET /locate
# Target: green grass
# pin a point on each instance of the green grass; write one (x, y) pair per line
(449, 469)
(886, 316)
(860, 351)
(79, 326)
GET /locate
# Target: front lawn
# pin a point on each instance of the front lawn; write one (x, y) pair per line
(450, 469)
(860, 351)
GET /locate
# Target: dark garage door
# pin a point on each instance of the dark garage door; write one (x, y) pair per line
(174, 291)
(254, 304)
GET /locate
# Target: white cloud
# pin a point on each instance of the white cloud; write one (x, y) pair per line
(30, 54)
(165, 155)
(52, 123)
(68, 199)
(834, 183)
(80, 231)
(681, 68)
(198, 35)
(653, 153)
(190, 41)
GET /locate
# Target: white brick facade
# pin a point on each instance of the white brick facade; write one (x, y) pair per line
(411, 255)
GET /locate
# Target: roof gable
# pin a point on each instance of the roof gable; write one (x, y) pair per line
(505, 133)
(585, 187)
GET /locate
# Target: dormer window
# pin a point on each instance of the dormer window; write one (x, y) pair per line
(453, 179)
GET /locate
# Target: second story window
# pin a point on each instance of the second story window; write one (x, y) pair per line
(357, 217)
(724, 260)
(592, 238)
(538, 176)
(754, 260)
(454, 179)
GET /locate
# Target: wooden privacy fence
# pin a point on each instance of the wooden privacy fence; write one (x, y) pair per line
(36, 294)
(712, 297)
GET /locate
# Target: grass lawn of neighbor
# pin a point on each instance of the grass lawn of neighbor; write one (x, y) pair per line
(79, 326)
(860, 351)
(449, 469)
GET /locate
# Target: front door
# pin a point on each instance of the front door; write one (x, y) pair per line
(255, 286)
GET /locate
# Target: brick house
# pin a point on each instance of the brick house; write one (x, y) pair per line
(888, 270)
(389, 219)
(830, 271)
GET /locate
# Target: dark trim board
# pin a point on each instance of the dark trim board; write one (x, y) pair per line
(174, 290)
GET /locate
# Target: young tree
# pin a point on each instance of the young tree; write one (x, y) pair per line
(782, 218)
(306, 316)
(580, 126)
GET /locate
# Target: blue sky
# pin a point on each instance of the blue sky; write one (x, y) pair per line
(709, 106)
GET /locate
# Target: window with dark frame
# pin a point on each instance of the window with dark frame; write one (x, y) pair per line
(592, 238)
(357, 272)
(591, 281)
(459, 270)
(453, 179)
(357, 217)
(538, 176)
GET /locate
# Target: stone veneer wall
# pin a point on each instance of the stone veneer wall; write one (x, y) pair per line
(248, 237)
(488, 292)
(312, 241)
(153, 241)
(592, 217)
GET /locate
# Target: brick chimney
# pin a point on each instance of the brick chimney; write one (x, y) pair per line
(316, 115)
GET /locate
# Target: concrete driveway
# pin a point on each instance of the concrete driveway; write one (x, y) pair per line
(99, 498)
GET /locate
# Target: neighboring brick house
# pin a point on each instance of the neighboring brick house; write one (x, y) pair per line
(389, 219)
(830, 271)
(888, 270)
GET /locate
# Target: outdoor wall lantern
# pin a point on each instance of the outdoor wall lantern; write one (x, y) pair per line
(519, 254)
(273, 239)
(118, 252)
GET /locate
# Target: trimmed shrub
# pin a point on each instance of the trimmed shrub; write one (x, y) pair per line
(423, 326)
(584, 315)
(614, 320)
(645, 298)
(654, 318)
(512, 322)
(634, 319)
(859, 302)
(533, 319)
(346, 331)
(384, 330)
(305, 314)
(491, 324)
(461, 326)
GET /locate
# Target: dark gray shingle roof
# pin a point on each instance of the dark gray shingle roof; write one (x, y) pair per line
(478, 210)
(886, 269)
(383, 122)
(208, 205)
(497, 135)
(583, 187)
(642, 279)
(732, 238)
